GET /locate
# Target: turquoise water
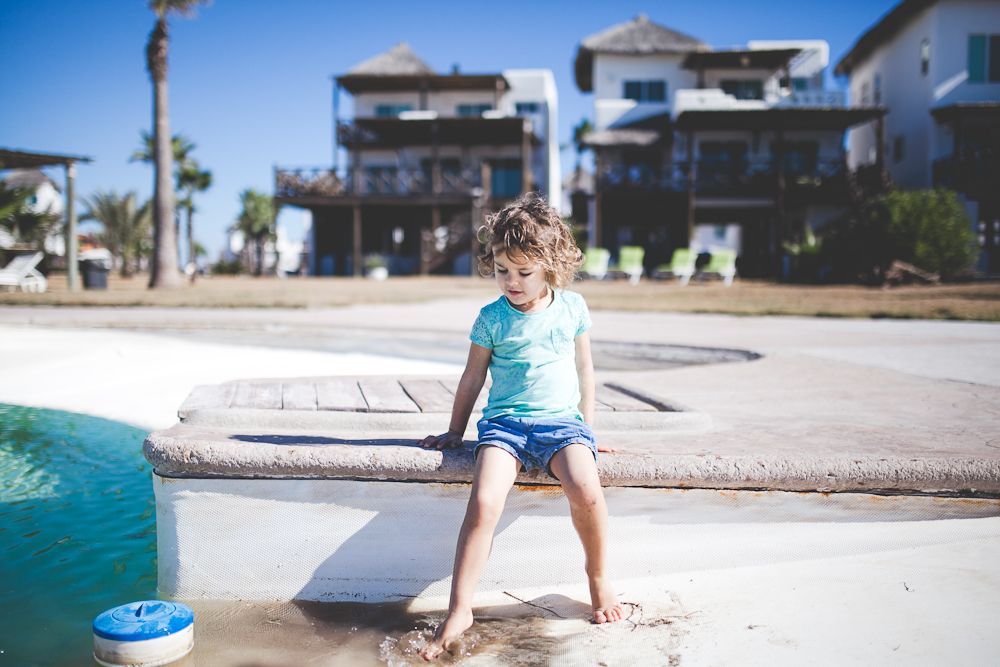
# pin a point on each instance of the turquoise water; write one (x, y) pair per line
(77, 531)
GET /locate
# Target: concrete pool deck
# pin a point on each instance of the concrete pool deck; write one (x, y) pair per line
(844, 590)
(867, 397)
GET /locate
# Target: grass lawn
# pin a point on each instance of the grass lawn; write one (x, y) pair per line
(969, 301)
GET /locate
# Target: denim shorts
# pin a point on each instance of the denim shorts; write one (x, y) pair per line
(532, 441)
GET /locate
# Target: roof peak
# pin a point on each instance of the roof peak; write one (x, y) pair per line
(400, 60)
(641, 35)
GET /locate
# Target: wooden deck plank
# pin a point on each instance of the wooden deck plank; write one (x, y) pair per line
(477, 407)
(602, 407)
(298, 396)
(259, 396)
(342, 395)
(621, 402)
(429, 395)
(207, 396)
(386, 396)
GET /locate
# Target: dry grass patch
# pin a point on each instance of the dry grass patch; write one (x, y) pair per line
(971, 301)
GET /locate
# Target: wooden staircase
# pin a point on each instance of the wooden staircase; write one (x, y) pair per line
(444, 244)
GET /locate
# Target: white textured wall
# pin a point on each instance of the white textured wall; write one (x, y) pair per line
(910, 95)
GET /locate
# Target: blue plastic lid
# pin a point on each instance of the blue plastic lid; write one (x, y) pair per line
(137, 621)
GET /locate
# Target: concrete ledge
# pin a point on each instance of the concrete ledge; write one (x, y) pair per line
(327, 421)
(191, 451)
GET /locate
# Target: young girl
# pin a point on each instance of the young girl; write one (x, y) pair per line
(534, 342)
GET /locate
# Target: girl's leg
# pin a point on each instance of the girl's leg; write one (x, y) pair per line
(496, 471)
(575, 467)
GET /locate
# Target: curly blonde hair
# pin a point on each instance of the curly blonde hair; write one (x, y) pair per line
(532, 229)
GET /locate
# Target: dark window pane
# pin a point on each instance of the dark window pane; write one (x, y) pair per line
(506, 181)
(800, 84)
(899, 148)
(527, 107)
(994, 58)
(751, 89)
(657, 91)
(977, 58)
(633, 90)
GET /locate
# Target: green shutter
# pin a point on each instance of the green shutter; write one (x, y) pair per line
(994, 73)
(977, 58)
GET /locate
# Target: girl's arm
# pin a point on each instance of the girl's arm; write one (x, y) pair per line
(465, 398)
(585, 373)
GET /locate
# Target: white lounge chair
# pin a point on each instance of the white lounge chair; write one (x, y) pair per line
(21, 272)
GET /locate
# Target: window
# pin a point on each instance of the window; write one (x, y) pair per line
(471, 110)
(748, 89)
(925, 56)
(391, 110)
(878, 89)
(506, 179)
(523, 108)
(646, 91)
(994, 58)
(899, 148)
(984, 58)
(657, 91)
(800, 84)
(864, 94)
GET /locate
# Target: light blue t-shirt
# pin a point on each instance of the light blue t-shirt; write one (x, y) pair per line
(534, 357)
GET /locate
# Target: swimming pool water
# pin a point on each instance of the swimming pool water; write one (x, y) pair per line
(77, 531)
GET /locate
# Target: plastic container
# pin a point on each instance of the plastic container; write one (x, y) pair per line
(144, 634)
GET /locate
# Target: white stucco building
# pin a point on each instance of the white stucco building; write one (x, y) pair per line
(428, 153)
(737, 148)
(935, 64)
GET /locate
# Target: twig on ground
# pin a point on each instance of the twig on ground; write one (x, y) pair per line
(532, 604)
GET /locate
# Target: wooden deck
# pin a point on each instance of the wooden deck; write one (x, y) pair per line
(376, 395)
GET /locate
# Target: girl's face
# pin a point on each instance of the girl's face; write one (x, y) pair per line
(521, 281)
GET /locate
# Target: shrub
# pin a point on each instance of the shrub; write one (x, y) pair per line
(931, 230)
(927, 228)
(233, 268)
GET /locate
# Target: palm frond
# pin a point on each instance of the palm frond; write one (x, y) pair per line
(186, 8)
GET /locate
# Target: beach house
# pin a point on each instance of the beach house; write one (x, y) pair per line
(734, 148)
(936, 66)
(428, 155)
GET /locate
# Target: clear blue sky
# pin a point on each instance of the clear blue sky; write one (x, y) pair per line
(250, 80)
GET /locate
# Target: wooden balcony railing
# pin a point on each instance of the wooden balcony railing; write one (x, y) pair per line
(742, 177)
(376, 181)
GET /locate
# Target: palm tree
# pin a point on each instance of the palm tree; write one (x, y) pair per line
(164, 274)
(125, 226)
(580, 133)
(25, 224)
(256, 221)
(191, 179)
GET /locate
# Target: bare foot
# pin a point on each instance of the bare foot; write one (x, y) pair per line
(604, 600)
(454, 625)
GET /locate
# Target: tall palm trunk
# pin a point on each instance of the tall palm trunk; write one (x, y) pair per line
(163, 272)
(191, 255)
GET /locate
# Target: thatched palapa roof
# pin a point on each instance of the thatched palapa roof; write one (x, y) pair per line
(639, 36)
(400, 69)
(397, 61)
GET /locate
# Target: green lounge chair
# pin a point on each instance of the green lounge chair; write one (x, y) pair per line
(681, 265)
(722, 264)
(595, 263)
(630, 262)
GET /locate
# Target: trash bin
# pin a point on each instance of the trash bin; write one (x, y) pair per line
(94, 267)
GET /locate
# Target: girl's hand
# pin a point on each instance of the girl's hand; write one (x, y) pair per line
(604, 449)
(449, 440)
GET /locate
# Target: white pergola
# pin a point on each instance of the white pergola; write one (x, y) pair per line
(11, 159)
